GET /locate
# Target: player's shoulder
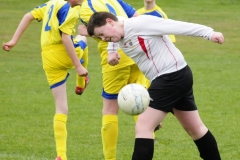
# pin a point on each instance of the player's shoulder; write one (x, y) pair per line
(158, 8)
(160, 11)
(135, 21)
(57, 4)
(143, 17)
(141, 10)
(89, 4)
(142, 20)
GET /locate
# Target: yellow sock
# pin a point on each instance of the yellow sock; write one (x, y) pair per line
(135, 118)
(109, 136)
(60, 134)
(80, 80)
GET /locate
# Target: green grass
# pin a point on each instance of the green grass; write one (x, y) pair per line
(27, 107)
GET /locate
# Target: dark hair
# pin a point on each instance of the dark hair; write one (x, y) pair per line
(98, 19)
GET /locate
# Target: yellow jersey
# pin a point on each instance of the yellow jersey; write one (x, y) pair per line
(57, 16)
(156, 11)
(88, 7)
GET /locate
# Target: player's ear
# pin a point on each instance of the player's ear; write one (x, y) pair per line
(110, 21)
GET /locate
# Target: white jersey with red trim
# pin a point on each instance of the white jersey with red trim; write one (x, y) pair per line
(146, 42)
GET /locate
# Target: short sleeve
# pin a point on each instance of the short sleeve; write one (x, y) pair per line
(68, 26)
(87, 13)
(127, 8)
(38, 12)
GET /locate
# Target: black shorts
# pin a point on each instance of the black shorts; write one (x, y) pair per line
(173, 90)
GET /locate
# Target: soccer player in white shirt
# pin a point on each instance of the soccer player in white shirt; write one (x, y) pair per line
(144, 39)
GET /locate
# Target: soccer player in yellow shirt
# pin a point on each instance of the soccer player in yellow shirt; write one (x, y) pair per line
(113, 77)
(60, 52)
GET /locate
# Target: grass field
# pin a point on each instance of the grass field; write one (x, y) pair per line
(27, 107)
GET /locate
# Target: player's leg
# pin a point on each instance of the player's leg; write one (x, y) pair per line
(113, 81)
(136, 76)
(109, 130)
(53, 64)
(149, 119)
(187, 114)
(81, 49)
(144, 141)
(164, 96)
(199, 133)
(60, 120)
(58, 88)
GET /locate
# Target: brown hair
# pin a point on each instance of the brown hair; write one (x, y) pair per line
(98, 19)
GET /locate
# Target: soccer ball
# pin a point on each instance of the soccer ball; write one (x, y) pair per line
(133, 99)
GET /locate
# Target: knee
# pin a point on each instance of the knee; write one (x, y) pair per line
(143, 126)
(80, 37)
(110, 109)
(196, 131)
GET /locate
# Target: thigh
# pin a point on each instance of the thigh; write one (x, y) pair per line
(56, 78)
(113, 81)
(81, 48)
(147, 122)
(56, 58)
(191, 122)
(136, 76)
(60, 98)
(173, 90)
(187, 102)
(164, 95)
(56, 63)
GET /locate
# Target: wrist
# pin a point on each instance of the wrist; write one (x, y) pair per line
(13, 41)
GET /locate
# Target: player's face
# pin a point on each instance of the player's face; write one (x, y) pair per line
(108, 33)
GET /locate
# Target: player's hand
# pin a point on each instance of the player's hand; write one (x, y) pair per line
(113, 58)
(82, 71)
(217, 37)
(8, 46)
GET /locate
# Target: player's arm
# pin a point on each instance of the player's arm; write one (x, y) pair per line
(67, 42)
(113, 55)
(82, 30)
(167, 26)
(24, 23)
(36, 13)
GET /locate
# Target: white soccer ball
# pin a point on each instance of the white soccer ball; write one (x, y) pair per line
(133, 99)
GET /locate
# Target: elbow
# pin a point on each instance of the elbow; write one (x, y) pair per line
(28, 16)
(65, 37)
(82, 30)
